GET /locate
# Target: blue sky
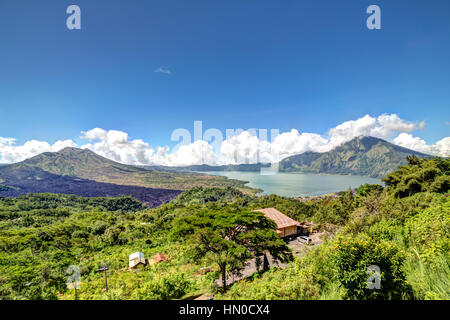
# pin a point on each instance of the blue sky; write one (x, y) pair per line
(309, 65)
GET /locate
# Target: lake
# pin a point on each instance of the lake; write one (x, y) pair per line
(297, 184)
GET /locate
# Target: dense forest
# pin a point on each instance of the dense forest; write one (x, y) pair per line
(402, 228)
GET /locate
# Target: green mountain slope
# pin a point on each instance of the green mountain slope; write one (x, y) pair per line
(78, 163)
(85, 164)
(366, 156)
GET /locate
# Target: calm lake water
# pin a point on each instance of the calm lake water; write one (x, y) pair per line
(297, 184)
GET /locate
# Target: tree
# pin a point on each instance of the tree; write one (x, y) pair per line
(370, 197)
(420, 175)
(229, 237)
(367, 189)
(347, 203)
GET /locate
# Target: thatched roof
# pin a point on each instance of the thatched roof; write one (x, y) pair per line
(282, 220)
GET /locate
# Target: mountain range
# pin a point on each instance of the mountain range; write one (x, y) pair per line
(362, 156)
(85, 164)
(85, 173)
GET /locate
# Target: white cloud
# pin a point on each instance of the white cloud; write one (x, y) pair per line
(246, 147)
(10, 153)
(293, 142)
(198, 152)
(116, 146)
(440, 148)
(163, 70)
(243, 147)
(384, 127)
(94, 134)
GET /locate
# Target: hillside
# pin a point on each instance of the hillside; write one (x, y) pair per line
(365, 156)
(35, 180)
(401, 227)
(85, 164)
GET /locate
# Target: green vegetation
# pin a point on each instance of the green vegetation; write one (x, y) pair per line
(401, 229)
(205, 232)
(420, 176)
(365, 156)
(229, 238)
(354, 256)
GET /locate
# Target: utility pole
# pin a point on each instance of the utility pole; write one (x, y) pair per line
(104, 269)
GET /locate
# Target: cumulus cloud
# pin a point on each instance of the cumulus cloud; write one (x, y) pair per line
(384, 127)
(243, 146)
(198, 152)
(440, 148)
(115, 145)
(293, 142)
(247, 147)
(10, 152)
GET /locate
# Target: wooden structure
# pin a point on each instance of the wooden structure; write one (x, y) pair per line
(305, 228)
(104, 269)
(285, 226)
(136, 259)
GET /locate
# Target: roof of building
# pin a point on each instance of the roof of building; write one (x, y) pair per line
(280, 219)
(136, 255)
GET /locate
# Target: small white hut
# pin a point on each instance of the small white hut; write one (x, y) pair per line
(135, 259)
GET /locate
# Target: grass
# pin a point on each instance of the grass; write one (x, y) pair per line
(429, 283)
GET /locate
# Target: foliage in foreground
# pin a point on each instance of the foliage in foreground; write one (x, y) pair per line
(401, 228)
(228, 238)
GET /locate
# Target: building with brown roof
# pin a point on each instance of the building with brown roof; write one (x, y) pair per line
(285, 225)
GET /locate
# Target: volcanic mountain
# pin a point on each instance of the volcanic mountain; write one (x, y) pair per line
(85, 173)
(363, 156)
(85, 164)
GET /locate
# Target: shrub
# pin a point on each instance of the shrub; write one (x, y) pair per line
(172, 286)
(429, 232)
(354, 256)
